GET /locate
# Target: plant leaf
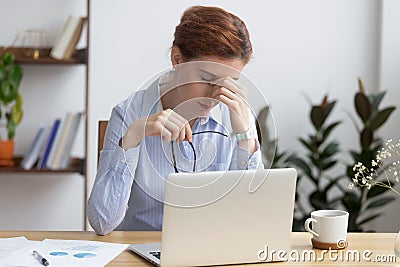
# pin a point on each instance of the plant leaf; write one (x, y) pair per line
(381, 118)
(350, 173)
(317, 162)
(363, 107)
(328, 165)
(376, 191)
(329, 186)
(351, 202)
(380, 202)
(355, 155)
(328, 129)
(15, 74)
(317, 117)
(10, 128)
(8, 91)
(301, 164)
(16, 114)
(8, 58)
(318, 200)
(376, 100)
(328, 109)
(18, 102)
(307, 145)
(370, 218)
(366, 137)
(330, 150)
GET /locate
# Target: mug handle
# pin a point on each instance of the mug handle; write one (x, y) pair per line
(307, 226)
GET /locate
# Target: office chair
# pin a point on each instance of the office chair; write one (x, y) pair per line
(100, 137)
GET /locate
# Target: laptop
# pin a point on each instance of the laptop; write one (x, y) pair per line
(224, 217)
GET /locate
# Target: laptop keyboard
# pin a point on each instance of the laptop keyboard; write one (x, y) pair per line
(156, 254)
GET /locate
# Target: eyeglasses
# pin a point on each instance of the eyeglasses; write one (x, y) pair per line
(194, 152)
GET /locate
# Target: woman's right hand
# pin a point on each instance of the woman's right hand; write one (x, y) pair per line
(168, 124)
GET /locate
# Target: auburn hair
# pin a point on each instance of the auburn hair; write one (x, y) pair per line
(212, 31)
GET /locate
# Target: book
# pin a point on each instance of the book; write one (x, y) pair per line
(55, 165)
(67, 38)
(48, 145)
(32, 155)
(71, 133)
(53, 150)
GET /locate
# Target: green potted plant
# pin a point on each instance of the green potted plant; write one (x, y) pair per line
(10, 104)
(364, 204)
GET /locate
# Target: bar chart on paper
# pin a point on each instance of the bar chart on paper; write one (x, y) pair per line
(62, 253)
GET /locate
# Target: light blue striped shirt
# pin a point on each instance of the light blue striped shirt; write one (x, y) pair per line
(128, 191)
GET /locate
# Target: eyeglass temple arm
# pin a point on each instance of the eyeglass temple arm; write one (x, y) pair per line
(210, 132)
(173, 157)
(174, 160)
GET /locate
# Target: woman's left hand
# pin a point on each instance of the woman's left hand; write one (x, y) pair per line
(234, 95)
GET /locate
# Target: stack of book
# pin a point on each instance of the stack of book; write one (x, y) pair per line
(51, 147)
(67, 38)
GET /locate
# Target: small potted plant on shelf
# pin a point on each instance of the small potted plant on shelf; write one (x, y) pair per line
(10, 105)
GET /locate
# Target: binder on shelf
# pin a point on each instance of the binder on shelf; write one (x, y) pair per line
(48, 145)
(67, 38)
(55, 165)
(32, 155)
(71, 133)
(53, 150)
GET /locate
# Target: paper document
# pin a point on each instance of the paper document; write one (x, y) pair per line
(9, 245)
(62, 253)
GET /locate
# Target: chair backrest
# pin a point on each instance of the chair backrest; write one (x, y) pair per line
(100, 137)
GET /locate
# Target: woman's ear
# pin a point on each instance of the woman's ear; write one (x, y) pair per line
(176, 56)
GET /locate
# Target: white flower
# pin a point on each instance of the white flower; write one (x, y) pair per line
(385, 166)
(350, 186)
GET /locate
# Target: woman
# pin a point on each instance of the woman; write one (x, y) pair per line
(193, 118)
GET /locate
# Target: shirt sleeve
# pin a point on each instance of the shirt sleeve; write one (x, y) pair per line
(108, 201)
(243, 160)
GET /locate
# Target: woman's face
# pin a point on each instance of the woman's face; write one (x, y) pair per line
(197, 79)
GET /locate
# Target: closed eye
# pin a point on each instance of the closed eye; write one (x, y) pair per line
(207, 79)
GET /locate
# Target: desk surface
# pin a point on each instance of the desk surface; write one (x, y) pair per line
(377, 247)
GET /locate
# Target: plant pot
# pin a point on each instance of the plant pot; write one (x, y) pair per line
(6, 152)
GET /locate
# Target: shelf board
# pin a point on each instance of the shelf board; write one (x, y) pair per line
(78, 57)
(76, 166)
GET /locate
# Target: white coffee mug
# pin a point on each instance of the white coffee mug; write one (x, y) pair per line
(329, 228)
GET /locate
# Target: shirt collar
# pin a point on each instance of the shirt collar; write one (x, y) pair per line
(215, 114)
